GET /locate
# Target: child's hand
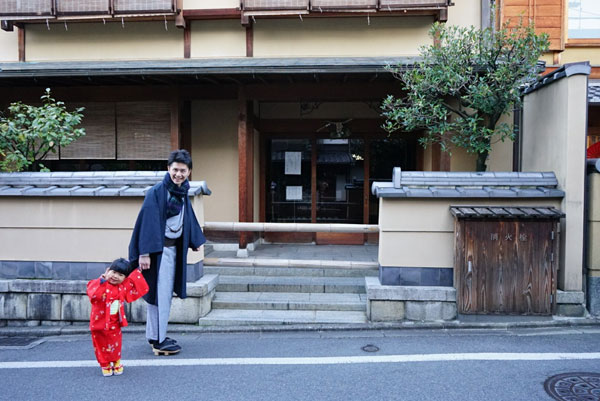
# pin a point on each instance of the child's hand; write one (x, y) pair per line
(105, 275)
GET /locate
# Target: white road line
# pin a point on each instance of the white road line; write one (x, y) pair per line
(340, 360)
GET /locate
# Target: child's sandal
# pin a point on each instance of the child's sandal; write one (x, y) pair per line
(107, 371)
(118, 368)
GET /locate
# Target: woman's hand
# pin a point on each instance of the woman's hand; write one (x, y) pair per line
(144, 262)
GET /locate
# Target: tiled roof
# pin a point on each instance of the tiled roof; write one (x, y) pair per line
(440, 184)
(99, 183)
(497, 212)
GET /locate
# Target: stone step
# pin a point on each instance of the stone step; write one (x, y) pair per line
(238, 317)
(352, 285)
(291, 271)
(296, 263)
(289, 301)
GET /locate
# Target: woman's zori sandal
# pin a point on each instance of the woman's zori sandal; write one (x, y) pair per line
(167, 347)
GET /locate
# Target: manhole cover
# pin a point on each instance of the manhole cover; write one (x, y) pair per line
(579, 386)
(370, 348)
(18, 341)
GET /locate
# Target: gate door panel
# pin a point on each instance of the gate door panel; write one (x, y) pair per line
(506, 266)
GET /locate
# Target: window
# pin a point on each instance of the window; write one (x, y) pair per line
(584, 19)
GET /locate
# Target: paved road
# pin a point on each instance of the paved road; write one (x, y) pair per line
(410, 365)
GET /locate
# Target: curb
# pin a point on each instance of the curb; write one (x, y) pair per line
(46, 331)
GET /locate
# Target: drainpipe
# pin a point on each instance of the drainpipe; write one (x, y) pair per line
(486, 20)
(517, 121)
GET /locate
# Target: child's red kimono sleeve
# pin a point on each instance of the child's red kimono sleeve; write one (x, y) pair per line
(95, 289)
(135, 286)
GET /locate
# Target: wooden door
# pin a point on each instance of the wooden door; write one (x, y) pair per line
(506, 267)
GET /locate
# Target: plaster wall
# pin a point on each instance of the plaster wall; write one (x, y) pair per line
(554, 134)
(71, 229)
(208, 4)
(465, 13)
(215, 156)
(97, 41)
(9, 46)
(501, 156)
(220, 38)
(575, 54)
(329, 37)
(410, 229)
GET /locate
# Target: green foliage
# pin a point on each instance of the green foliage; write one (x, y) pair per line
(463, 84)
(29, 133)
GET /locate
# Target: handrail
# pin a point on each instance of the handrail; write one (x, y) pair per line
(292, 227)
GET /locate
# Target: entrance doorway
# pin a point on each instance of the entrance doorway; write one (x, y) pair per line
(327, 180)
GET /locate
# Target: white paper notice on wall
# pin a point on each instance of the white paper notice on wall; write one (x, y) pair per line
(293, 163)
(293, 193)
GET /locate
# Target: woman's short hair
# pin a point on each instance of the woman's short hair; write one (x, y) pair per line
(180, 156)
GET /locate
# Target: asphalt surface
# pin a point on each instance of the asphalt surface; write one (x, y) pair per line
(291, 365)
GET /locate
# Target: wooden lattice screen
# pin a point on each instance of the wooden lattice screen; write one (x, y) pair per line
(326, 5)
(143, 130)
(25, 7)
(82, 6)
(265, 5)
(149, 6)
(99, 141)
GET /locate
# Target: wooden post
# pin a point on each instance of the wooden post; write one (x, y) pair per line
(250, 40)
(366, 184)
(187, 41)
(21, 41)
(244, 159)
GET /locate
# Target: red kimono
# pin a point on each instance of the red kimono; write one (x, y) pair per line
(106, 327)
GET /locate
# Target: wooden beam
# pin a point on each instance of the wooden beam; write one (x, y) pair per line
(366, 185)
(370, 126)
(324, 91)
(21, 40)
(214, 13)
(262, 177)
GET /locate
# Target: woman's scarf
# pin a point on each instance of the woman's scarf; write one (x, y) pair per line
(176, 194)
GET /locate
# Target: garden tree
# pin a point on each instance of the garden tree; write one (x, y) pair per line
(463, 83)
(29, 133)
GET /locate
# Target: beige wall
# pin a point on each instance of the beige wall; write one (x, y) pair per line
(328, 37)
(501, 156)
(410, 229)
(573, 54)
(465, 13)
(96, 41)
(71, 229)
(554, 133)
(461, 160)
(215, 156)
(205, 4)
(594, 225)
(9, 46)
(221, 38)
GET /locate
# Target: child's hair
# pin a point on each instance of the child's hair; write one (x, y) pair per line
(120, 265)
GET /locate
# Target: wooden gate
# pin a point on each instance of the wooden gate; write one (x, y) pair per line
(506, 263)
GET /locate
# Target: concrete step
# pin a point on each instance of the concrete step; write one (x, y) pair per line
(352, 285)
(291, 271)
(296, 263)
(237, 317)
(289, 301)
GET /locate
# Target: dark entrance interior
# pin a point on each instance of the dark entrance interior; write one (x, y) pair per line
(318, 179)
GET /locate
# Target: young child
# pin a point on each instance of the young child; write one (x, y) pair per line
(108, 293)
